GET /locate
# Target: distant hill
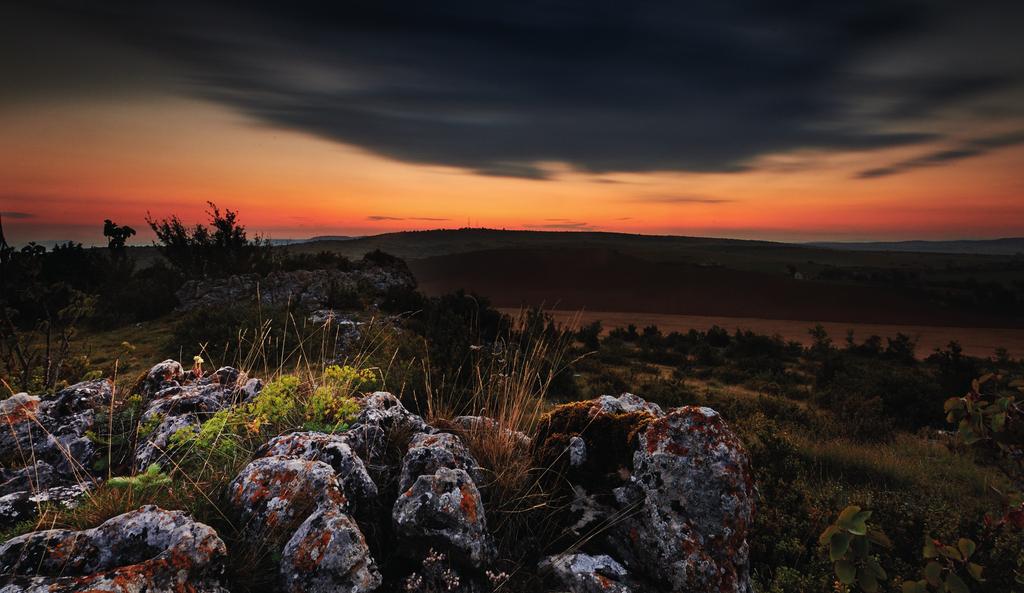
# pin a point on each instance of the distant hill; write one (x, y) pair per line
(1008, 246)
(329, 238)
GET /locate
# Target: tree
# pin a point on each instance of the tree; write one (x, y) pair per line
(116, 235)
(220, 249)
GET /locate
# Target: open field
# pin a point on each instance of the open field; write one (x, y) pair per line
(980, 342)
(601, 279)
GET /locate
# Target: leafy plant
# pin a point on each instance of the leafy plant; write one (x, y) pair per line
(945, 567)
(849, 542)
(330, 407)
(977, 418)
(153, 477)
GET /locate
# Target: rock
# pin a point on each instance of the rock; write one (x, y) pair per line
(145, 550)
(46, 452)
(23, 505)
(444, 510)
(328, 554)
(430, 452)
(251, 389)
(356, 483)
(577, 451)
(309, 289)
(627, 403)
(161, 376)
(179, 401)
(273, 495)
(383, 421)
(582, 573)
(592, 441)
(671, 492)
(692, 481)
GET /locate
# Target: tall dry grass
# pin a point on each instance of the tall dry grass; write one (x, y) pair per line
(508, 387)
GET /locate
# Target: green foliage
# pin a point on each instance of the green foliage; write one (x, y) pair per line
(948, 568)
(979, 417)
(330, 407)
(153, 477)
(849, 542)
(231, 432)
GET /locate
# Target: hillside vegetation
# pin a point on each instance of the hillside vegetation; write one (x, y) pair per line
(930, 445)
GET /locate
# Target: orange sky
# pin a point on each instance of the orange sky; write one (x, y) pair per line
(65, 166)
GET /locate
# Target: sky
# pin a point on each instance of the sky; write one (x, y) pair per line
(792, 121)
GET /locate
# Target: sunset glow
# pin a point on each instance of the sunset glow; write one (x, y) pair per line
(70, 159)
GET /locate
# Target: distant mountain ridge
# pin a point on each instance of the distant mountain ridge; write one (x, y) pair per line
(1005, 246)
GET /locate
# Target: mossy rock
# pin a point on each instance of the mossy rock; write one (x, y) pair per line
(610, 439)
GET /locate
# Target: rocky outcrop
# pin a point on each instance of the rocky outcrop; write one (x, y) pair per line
(692, 485)
(308, 289)
(179, 400)
(444, 510)
(672, 493)
(333, 450)
(46, 453)
(428, 453)
(145, 550)
(654, 500)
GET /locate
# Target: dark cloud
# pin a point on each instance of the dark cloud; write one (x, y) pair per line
(968, 149)
(16, 215)
(423, 218)
(503, 88)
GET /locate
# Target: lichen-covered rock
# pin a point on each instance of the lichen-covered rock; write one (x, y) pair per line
(444, 510)
(161, 376)
(627, 403)
(145, 550)
(331, 449)
(582, 573)
(179, 401)
(44, 445)
(309, 289)
(593, 441)
(273, 495)
(23, 505)
(382, 420)
(671, 492)
(53, 429)
(693, 490)
(328, 554)
(251, 389)
(430, 452)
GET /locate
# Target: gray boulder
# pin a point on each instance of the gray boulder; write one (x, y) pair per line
(694, 493)
(430, 452)
(328, 554)
(273, 495)
(162, 375)
(444, 510)
(331, 449)
(382, 420)
(670, 494)
(44, 444)
(626, 403)
(179, 401)
(145, 550)
(582, 573)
